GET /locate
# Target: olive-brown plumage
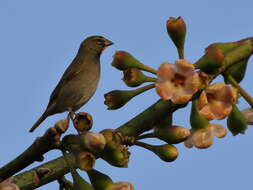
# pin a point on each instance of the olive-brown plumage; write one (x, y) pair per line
(79, 81)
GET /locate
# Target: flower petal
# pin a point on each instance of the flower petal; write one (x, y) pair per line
(183, 67)
(207, 113)
(165, 72)
(203, 138)
(164, 90)
(202, 101)
(218, 130)
(188, 143)
(180, 96)
(192, 83)
(220, 109)
(228, 94)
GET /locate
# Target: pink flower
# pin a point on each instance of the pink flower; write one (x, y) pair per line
(216, 101)
(177, 82)
(203, 138)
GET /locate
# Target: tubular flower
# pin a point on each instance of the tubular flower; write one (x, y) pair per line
(203, 138)
(216, 101)
(177, 82)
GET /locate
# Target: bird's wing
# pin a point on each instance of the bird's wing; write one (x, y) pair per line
(67, 76)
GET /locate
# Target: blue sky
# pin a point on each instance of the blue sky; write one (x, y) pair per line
(38, 39)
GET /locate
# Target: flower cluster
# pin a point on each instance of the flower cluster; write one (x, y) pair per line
(178, 82)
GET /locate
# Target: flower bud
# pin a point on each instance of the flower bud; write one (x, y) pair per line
(83, 122)
(211, 61)
(133, 77)
(227, 46)
(236, 121)
(116, 154)
(166, 152)
(111, 135)
(123, 60)
(79, 182)
(62, 126)
(118, 98)
(172, 134)
(95, 142)
(85, 161)
(237, 71)
(99, 180)
(176, 29)
(248, 115)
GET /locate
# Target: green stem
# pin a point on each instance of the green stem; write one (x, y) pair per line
(150, 79)
(244, 94)
(144, 145)
(148, 69)
(180, 53)
(58, 168)
(143, 89)
(148, 135)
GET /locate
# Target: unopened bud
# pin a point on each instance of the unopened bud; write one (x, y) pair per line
(176, 28)
(99, 180)
(211, 61)
(62, 126)
(237, 71)
(118, 98)
(166, 152)
(172, 134)
(133, 77)
(123, 60)
(236, 121)
(83, 122)
(116, 154)
(85, 161)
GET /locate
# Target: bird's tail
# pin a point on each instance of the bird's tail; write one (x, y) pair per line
(39, 121)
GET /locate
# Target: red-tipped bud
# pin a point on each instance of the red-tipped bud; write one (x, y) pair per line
(133, 77)
(211, 61)
(83, 122)
(123, 60)
(62, 126)
(117, 98)
(176, 28)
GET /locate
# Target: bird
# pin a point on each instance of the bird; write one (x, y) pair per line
(79, 82)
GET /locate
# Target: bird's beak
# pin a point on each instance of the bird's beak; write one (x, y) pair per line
(108, 43)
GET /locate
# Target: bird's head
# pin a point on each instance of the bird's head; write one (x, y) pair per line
(95, 43)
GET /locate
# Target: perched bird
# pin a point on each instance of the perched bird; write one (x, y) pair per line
(79, 82)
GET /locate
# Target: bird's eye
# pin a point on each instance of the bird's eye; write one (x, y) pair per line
(100, 41)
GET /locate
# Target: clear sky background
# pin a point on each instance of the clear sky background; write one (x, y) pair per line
(38, 39)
